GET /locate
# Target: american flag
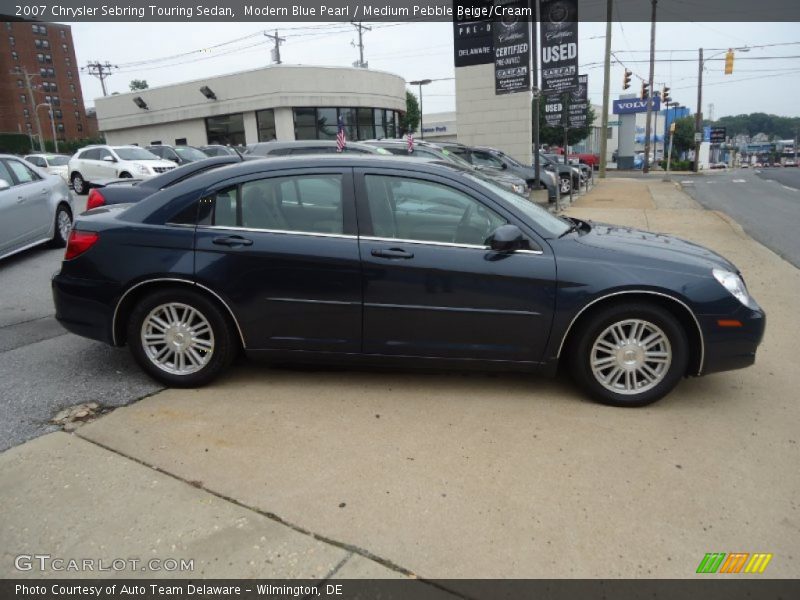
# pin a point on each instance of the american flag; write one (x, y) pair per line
(341, 138)
(410, 142)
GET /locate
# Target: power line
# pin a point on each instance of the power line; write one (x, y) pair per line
(101, 71)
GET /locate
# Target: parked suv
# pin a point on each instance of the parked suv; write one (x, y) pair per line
(426, 150)
(180, 155)
(55, 164)
(95, 163)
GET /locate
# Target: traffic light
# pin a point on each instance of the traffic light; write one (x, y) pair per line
(665, 96)
(645, 90)
(729, 62)
(626, 81)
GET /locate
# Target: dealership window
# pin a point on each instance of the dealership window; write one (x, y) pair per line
(178, 142)
(327, 123)
(391, 130)
(380, 123)
(349, 118)
(265, 120)
(305, 123)
(226, 129)
(366, 124)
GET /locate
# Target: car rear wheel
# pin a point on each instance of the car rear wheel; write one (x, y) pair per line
(566, 185)
(630, 355)
(78, 184)
(125, 175)
(63, 226)
(180, 338)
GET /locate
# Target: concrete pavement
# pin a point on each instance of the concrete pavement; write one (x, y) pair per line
(442, 475)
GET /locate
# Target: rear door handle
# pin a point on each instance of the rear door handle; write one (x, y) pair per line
(392, 253)
(232, 240)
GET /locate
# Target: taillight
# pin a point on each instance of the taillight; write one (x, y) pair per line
(95, 199)
(79, 242)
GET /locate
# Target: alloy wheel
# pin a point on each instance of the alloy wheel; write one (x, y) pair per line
(64, 224)
(630, 356)
(177, 338)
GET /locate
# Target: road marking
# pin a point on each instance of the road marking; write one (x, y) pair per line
(740, 181)
(687, 182)
(791, 189)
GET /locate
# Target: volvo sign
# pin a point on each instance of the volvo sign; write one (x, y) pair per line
(634, 105)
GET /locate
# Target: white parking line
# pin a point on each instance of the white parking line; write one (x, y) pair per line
(790, 188)
(740, 181)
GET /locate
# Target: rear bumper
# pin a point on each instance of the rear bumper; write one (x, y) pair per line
(728, 348)
(84, 307)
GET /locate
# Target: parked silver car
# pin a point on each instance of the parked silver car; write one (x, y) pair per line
(35, 207)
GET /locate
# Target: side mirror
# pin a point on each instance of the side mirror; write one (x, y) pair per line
(504, 166)
(4, 185)
(175, 159)
(506, 238)
(109, 159)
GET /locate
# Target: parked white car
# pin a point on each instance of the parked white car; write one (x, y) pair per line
(55, 164)
(35, 207)
(96, 163)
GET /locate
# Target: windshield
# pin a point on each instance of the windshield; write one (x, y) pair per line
(135, 154)
(57, 161)
(457, 159)
(545, 223)
(189, 153)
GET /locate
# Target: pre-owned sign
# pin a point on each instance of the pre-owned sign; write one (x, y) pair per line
(559, 28)
(472, 39)
(579, 103)
(512, 50)
(553, 111)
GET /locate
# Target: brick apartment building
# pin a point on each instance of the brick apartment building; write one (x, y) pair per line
(47, 53)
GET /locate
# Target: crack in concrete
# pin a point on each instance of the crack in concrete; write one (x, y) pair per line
(350, 548)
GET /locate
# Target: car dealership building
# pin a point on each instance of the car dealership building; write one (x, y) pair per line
(283, 102)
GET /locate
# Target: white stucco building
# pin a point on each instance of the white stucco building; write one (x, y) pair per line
(282, 102)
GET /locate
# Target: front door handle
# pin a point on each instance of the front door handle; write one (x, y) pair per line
(232, 240)
(392, 253)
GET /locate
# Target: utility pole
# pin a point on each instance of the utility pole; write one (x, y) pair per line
(361, 64)
(650, 98)
(29, 87)
(537, 100)
(606, 83)
(101, 71)
(698, 117)
(276, 51)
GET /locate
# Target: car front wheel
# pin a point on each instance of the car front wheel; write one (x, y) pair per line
(180, 338)
(630, 355)
(63, 226)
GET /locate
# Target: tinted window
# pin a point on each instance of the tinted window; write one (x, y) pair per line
(102, 153)
(36, 160)
(414, 209)
(225, 208)
(23, 173)
(306, 203)
(135, 154)
(58, 161)
(188, 153)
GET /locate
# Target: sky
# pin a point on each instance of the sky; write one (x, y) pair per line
(425, 51)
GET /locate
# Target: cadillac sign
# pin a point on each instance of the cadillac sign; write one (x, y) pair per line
(634, 105)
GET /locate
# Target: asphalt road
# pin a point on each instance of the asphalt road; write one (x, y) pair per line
(765, 202)
(43, 369)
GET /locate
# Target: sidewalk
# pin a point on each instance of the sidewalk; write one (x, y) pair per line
(289, 473)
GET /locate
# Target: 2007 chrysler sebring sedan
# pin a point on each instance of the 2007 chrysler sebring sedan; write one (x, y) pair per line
(389, 260)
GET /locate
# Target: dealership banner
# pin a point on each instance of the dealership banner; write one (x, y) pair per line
(512, 49)
(579, 103)
(554, 111)
(559, 27)
(628, 106)
(472, 36)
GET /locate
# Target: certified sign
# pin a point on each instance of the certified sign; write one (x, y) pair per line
(559, 45)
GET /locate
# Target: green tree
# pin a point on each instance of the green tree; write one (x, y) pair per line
(138, 84)
(410, 120)
(554, 136)
(755, 123)
(684, 135)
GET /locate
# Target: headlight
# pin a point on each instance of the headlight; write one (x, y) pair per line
(734, 284)
(143, 169)
(518, 188)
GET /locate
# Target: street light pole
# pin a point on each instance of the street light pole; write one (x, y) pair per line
(650, 98)
(606, 83)
(52, 124)
(419, 83)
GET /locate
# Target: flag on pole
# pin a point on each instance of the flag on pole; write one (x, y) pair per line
(341, 138)
(410, 142)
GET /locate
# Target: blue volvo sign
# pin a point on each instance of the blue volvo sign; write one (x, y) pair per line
(635, 105)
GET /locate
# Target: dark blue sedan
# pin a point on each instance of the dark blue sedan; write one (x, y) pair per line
(392, 261)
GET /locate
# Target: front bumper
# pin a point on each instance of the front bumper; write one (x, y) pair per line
(728, 348)
(84, 307)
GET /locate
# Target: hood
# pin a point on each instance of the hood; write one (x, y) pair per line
(644, 244)
(155, 163)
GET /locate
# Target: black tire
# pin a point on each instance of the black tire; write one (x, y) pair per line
(79, 185)
(225, 345)
(125, 175)
(60, 237)
(598, 322)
